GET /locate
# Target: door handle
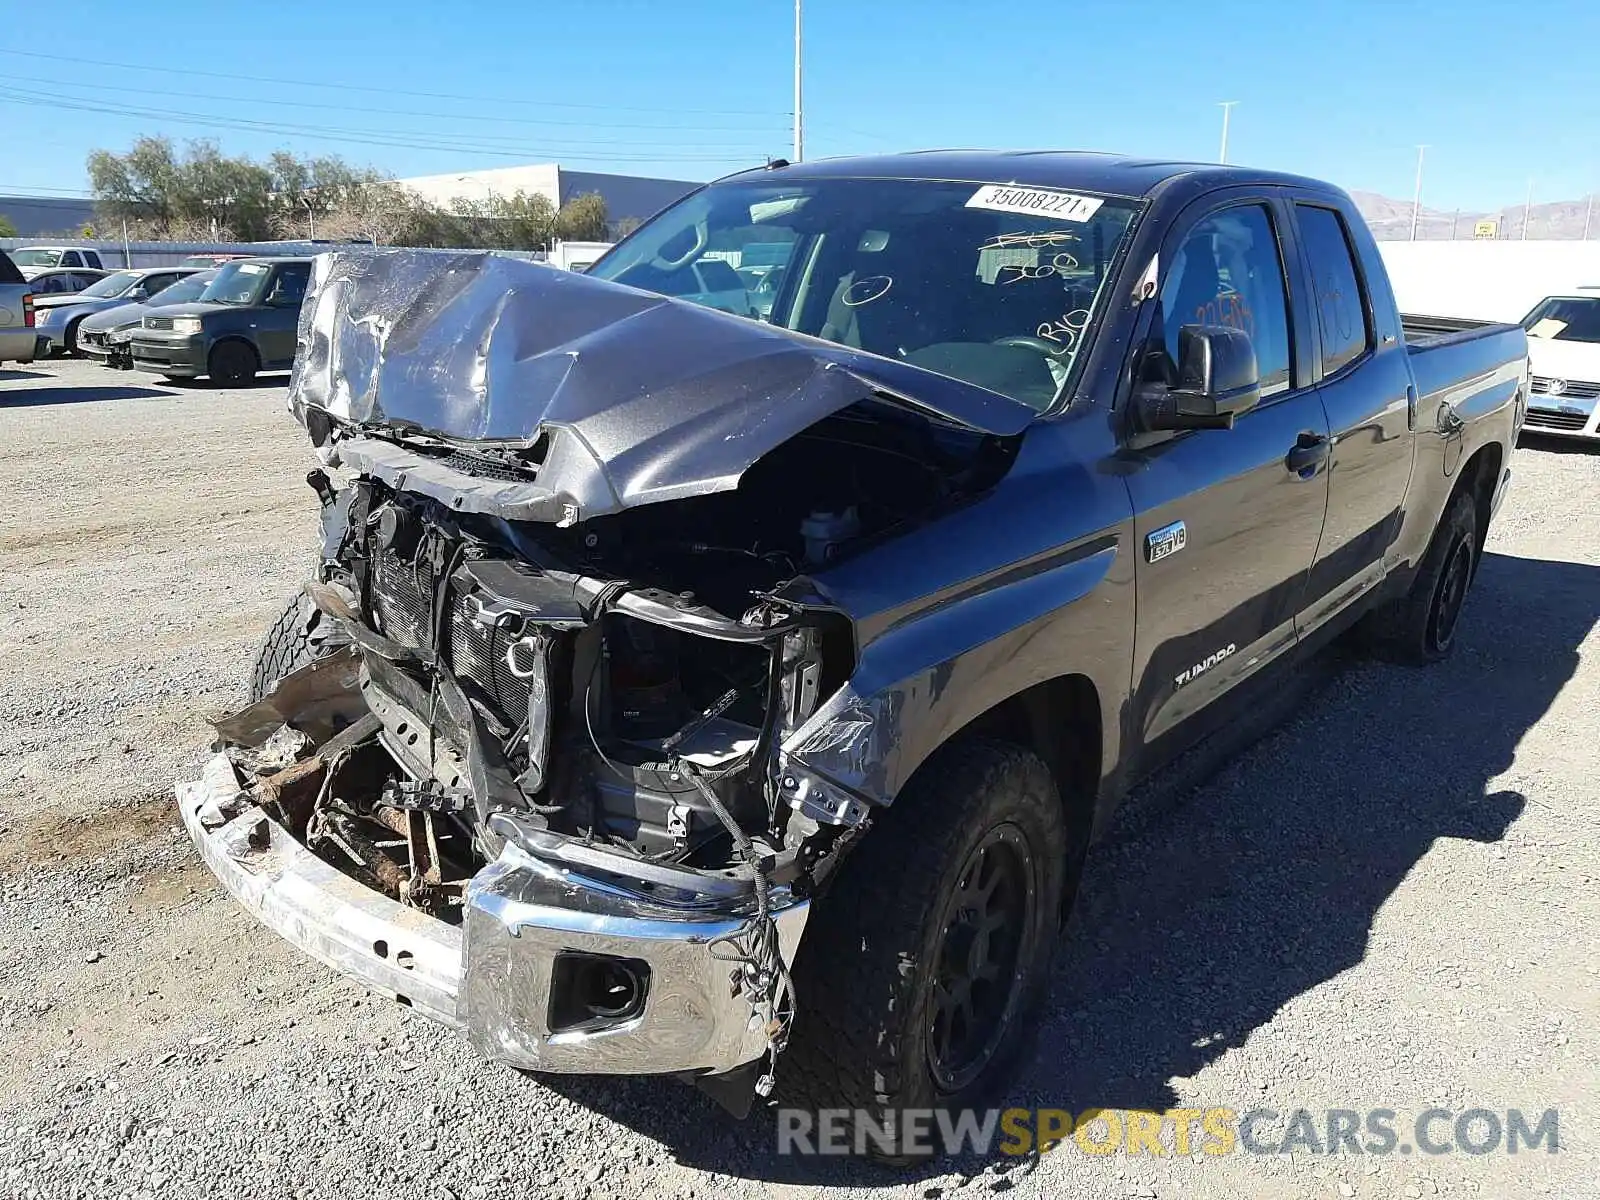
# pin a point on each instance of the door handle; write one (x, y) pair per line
(1310, 451)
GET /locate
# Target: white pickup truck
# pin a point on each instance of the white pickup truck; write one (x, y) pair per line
(1564, 357)
(30, 260)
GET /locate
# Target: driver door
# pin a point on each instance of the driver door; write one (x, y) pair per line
(280, 319)
(1226, 520)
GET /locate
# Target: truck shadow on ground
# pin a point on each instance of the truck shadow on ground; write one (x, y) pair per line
(1547, 443)
(45, 397)
(1206, 910)
(273, 380)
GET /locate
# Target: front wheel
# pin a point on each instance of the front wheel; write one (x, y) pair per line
(293, 641)
(69, 340)
(231, 364)
(924, 965)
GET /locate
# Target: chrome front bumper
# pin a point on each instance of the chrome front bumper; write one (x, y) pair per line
(1564, 416)
(492, 977)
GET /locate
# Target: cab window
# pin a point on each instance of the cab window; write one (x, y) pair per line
(1341, 308)
(1229, 272)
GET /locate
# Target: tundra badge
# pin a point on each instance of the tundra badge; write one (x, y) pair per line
(1166, 541)
(1190, 674)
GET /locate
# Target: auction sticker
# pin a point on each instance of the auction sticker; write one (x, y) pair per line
(1035, 202)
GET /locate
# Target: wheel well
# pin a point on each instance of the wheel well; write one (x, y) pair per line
(1481, 475)
(1059, 720)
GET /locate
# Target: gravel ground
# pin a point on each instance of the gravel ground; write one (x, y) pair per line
(1390, 902)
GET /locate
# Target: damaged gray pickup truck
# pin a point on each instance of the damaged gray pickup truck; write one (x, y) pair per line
(683, 693)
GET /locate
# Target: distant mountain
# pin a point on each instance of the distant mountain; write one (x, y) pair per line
(1560, 220)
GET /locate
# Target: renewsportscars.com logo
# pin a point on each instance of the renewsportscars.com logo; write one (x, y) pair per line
(1177, 1131)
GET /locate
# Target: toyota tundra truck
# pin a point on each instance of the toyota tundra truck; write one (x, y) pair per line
(734, 699)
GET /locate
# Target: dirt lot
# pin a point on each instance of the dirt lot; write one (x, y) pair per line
(1391, 902)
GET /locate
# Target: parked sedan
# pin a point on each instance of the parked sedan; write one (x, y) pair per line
(59, 317)
(1564, 352)
(64, 281)
(107, 336)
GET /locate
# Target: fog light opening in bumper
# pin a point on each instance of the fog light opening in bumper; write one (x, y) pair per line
(595, 991)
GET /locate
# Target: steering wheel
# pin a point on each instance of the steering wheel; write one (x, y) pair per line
(702, 238)
(1043, 345)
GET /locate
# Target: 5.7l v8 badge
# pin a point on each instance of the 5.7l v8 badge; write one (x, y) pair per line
(1166, 541)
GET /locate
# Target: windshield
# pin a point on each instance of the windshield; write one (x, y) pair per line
(237, 283)
(112, 285)
(994, 285)
(1565, 319)
(36, 258)
(184, 290)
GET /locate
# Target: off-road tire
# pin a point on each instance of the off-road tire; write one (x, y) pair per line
(863, 979)
(1421, 627)
(232, 364)
(287, 647)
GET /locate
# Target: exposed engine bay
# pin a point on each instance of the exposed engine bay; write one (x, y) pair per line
(607, 695)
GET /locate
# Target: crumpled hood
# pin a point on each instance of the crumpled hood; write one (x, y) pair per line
(642, 398)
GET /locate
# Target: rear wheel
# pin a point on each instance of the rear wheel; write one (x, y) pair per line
(231, 364)
(924, 965)
(1421, 626)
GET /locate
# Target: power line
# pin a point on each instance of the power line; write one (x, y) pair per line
(97, 104)
(441, 142)
(475, 117)
(165, 69)
(24, 190)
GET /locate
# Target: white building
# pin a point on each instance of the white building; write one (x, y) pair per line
(1486, 280)
(626, 196)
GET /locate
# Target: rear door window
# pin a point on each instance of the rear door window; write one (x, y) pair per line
(1336, 287)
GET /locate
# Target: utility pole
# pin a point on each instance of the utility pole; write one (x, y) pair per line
(1527, 210)
(1588, 217)
(1227, 110)
(1416, 194)
(798, 153)
(311, 216)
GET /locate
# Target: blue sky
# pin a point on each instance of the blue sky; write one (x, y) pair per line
(1342, 89)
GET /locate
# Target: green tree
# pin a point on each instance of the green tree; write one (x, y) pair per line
(7, 229)
(201, 192)
(308, 194)
(583, 219)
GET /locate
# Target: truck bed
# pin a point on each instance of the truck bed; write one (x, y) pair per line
(1419, 327)
(1475, 366)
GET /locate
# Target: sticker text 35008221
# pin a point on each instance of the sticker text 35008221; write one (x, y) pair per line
(1036, 202)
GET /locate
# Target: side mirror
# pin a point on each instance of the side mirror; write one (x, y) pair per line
(1217, 380)
(138, 295)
